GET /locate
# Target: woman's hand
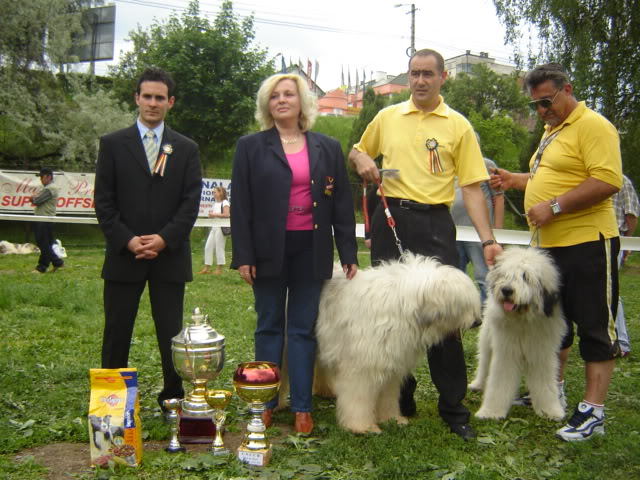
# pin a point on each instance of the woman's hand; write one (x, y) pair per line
(350, 270)
(247, 273)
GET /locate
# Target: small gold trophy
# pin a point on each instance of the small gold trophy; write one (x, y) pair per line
(256, 383)
(218, 400)
(173, 405)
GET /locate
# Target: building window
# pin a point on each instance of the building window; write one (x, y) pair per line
(463, 68)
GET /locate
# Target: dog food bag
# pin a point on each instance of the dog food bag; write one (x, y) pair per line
(115, 431)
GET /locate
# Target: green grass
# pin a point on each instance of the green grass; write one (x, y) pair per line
(51, 329)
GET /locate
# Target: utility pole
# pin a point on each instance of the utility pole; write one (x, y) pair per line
(411, 50)
(413, 28)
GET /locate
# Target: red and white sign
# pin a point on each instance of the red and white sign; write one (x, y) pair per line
(75, 192)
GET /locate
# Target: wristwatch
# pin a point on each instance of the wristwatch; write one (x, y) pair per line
(555, 207)
(486, 243)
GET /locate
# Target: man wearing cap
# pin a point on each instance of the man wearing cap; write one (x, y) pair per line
(147, 194)
(45, 202)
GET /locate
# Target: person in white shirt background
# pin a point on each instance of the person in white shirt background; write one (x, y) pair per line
(216, 241)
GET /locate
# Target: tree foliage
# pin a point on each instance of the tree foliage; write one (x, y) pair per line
(216, 67)
(501, 139)
(55, 120)
(37, 33)
(48, 119)
(371, 105)
(497, 109)
(336, 127)
(598, 41)
(486, 93)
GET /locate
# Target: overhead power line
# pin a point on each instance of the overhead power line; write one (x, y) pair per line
(182, 6)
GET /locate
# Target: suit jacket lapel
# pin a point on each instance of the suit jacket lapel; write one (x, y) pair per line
(275, 145)
(134, 143)
(167, 136)
(313, 147)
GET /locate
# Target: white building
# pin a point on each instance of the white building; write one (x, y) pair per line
(463, 64)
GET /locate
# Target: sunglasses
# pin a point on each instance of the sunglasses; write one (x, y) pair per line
(543, 102)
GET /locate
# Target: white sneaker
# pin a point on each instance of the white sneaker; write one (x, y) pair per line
(582, 425)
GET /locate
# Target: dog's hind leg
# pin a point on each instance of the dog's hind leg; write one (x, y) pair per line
(388, 407)
(484, 359)
(355, 404)
(500, 390)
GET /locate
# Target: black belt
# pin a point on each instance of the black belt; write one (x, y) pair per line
(411, 205)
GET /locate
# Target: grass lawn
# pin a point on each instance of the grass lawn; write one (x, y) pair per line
(51, 329)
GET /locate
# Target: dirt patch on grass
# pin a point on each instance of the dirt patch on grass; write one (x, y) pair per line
(65, 461)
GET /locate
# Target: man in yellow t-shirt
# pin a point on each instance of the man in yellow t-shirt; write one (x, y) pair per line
(430, 144)
(573, 174)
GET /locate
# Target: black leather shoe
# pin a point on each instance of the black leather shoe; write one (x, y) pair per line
(463, 430)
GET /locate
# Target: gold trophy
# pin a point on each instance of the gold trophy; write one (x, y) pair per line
(256, 383)
(218, 400)
(173, 405)
(198, 357)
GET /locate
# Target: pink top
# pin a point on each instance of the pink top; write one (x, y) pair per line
(300, 215)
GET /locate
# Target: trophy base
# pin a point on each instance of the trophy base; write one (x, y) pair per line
(175, 449)
(196, 429)
(257, 458)
(217, 451)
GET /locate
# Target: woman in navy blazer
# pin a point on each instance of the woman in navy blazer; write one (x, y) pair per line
(291, 199)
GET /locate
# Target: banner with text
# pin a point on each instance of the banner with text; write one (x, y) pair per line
(75, 192)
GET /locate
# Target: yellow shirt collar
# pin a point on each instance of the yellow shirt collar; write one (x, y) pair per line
(573, 117)
(442, 109)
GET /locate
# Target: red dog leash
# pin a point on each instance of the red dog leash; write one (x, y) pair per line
(390, 220)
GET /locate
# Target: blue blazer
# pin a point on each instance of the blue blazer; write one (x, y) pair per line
(261, 183)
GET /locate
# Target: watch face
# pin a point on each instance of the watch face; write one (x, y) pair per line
(555, 208)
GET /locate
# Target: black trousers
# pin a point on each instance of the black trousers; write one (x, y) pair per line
(430, 233)
(121, 301)
(43, 231)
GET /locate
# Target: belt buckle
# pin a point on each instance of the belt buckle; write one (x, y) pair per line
(404, 203)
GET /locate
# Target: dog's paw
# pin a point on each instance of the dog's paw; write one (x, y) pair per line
(363, 429)
(476, 386)
(488, 414)
(556, 414)
(400, 420)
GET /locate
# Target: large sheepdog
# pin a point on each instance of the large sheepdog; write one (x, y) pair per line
(521, 333)
(373, 329)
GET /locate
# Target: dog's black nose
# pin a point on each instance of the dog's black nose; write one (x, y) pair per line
(507, 291)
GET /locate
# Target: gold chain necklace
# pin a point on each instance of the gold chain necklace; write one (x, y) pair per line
(290, 140)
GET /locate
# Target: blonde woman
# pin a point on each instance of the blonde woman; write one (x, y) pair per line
(291, 200)
(216, 241)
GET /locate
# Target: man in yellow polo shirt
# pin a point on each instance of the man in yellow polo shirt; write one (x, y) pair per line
(573, 174)
(430, 144)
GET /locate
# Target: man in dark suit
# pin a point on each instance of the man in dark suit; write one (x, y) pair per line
(147, 193)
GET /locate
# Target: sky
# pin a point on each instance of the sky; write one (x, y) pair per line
(342, 35)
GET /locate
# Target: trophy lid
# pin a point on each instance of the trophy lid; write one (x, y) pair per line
(198, 334)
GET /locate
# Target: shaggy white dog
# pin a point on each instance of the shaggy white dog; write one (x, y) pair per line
(521, 333)
(7, 248)
(373, 329)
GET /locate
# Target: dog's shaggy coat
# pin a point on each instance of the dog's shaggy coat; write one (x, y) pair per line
(521, 333)
(373, 329)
